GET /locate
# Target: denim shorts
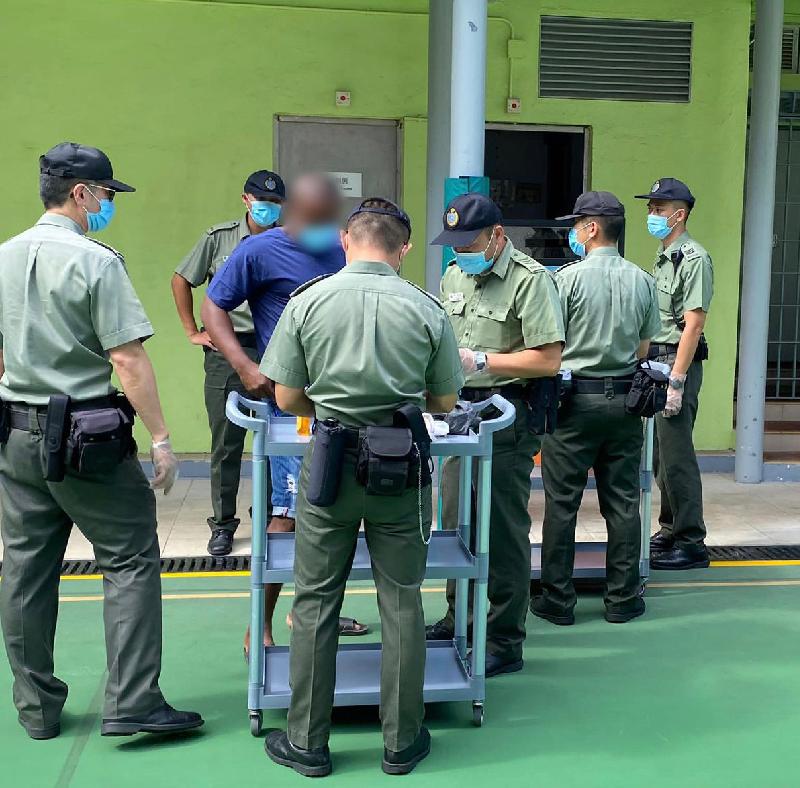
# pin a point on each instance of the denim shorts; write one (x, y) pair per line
(285, 475)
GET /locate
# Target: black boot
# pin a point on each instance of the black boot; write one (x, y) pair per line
(681, 557)
(549, 612)
(309, 763)
(661, 542)
(164, 719)
(621, 614)
(441, 630)
(220, 543)
(404, 761)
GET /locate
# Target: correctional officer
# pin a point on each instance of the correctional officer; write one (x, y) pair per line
(685, 285)
(355, 347)
(69, 316)
(610, 313)
(263, 195)
(505, 312)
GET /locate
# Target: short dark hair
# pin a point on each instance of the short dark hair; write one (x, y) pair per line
(379, 229)
(54, 190)
(611, 226)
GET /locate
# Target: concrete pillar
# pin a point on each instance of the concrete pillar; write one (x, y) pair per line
(468, 87)
(757, 255)
(440, 37)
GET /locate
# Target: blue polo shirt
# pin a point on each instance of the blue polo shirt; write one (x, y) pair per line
(265, 270)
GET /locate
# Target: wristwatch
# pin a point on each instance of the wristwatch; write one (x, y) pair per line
(480, 360)
(676, 383)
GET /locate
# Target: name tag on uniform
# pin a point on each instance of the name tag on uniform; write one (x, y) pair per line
(456, 297)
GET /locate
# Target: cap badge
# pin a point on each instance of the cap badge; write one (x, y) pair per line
(270, 184)
(656, 186)
(451, 217)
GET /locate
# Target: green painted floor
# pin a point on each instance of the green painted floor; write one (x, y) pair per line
(704, 691)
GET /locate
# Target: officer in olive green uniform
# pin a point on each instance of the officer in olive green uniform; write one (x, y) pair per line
(355, 347)
(507, 319)
(264, 192)
(610, 313)
(68, 312)
(685, 286)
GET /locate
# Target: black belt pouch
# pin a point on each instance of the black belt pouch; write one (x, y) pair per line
(55, 437)
(327, 456)
(99, 439)
(648, 392)
(386, 460)
(543, 399)
(5, 422)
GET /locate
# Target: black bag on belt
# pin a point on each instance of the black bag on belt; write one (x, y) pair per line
(327, 456)
(55, 437)
(648, 392)
(543, 398)
(100, 439)
(5, 422)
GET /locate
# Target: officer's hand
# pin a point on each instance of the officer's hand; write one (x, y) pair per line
(258, 386)
(165, 466)
(468, 363)
(674, 396)
(203, 339)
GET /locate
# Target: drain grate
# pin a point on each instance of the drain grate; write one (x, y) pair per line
(241, 563)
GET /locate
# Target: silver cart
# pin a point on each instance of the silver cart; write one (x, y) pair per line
(590, 557)
(449, 676)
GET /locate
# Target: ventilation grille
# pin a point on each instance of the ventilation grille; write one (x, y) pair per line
(617, 59)
(790, 48)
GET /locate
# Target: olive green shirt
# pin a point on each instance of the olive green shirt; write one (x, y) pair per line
(364, 341)
(209, 255)
(65, 301)
(683, 287)
(511, 307)
(609, 307)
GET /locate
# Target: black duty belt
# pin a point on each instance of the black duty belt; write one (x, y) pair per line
(509, 391)
(20, 412)
(247, 339)
(601, 385)
(661, 350)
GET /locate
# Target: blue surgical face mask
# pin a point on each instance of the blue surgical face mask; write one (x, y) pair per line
(475, 263)
(265, 213)
(319, 238)
(99, 221)
(658, 226)
(577, 247)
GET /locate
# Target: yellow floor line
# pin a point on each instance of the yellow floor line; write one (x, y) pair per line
(755, 563)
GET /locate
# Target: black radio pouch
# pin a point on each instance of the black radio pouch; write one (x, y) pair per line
(54, 444)
(5, 422)
(386, 459)
(648, 392)
(544, 395)
(99, 440)
(327, 456)
(701, 354)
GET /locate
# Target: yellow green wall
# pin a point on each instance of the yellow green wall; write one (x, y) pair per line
(182, 95)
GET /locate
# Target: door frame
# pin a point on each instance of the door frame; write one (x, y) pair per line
(396, 122)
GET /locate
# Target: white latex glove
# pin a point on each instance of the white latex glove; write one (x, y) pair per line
(165, 466)
(674, 397)
(467, 360)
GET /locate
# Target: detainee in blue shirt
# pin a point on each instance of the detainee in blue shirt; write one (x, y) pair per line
(265, 270)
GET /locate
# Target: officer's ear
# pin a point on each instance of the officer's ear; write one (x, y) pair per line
(405, 249)
(344, 239)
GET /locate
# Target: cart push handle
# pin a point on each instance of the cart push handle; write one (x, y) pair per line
(237, 404)
(506, 418)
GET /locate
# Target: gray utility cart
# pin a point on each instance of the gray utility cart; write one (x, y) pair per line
(449, 676)
(590, 557)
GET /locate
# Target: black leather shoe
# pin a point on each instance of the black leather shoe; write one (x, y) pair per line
(541, 608)
(220, 543)
(309, 763)
(496, 665)
(441, 630)
(681, 557)
(404, 761)
(621, 615)
(660, 542)
(164, 719)
(42, 734)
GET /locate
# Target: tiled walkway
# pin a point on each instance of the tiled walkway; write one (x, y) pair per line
(760, 514)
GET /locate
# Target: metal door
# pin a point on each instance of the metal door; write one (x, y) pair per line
(783, 358)
(362, 155)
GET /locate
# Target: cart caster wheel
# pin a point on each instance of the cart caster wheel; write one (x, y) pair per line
(477, 715)
(255, 723)
(643, 589)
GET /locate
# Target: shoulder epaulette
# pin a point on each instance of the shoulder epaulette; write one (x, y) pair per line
(106, 246)
(306, 285)
(692, 250)
(223, 226)
(527, 262)
(426, 293)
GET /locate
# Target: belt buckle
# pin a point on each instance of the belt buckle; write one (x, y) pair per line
(608, 388)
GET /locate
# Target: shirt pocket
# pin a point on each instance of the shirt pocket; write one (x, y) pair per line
(455, 308)
(491, 327)
(666, 294)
